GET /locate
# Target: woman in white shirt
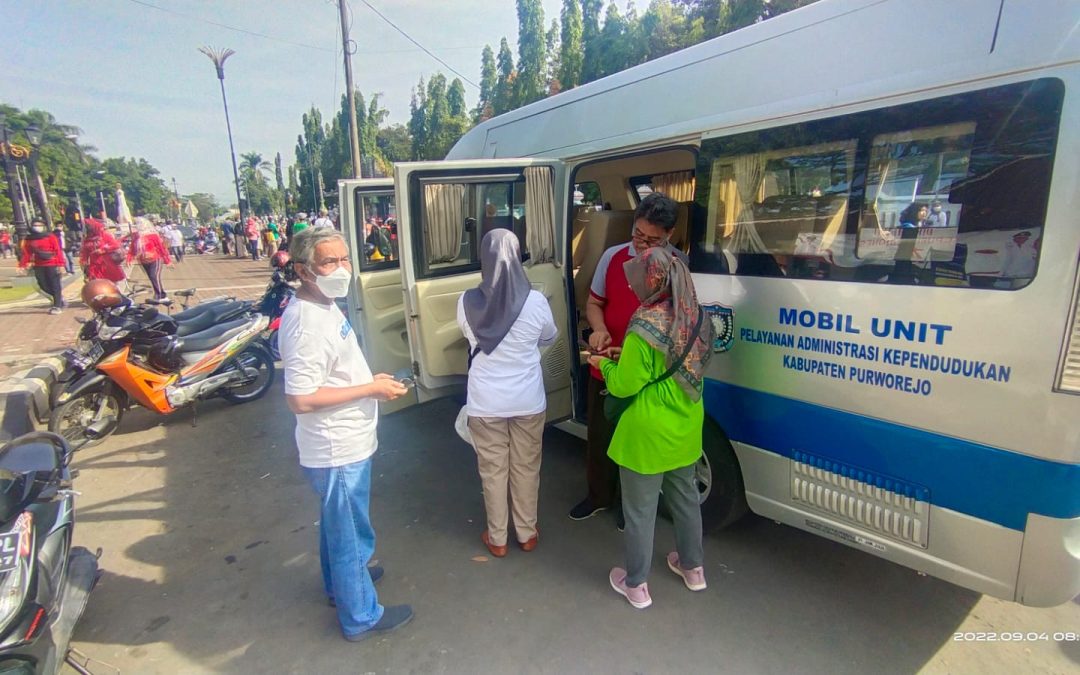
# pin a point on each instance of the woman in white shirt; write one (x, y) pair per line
(506, 323)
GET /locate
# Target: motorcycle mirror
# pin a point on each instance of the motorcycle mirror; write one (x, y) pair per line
(29, 464)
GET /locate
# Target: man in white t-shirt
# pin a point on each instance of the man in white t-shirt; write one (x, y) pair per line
(335, 397)
(323, 220)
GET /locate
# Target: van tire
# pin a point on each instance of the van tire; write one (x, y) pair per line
(719, 480)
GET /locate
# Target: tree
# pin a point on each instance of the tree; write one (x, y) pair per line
(394, 143)
(614, 42)
(504, 86)
(532, 64)
(485, 108)
(257, 191)
(551, 74)
(590, 39)
(570, 53)
(666, 28)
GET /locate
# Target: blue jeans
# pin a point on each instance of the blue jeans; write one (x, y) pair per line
(346, 542)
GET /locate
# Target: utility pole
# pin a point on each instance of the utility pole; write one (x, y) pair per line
(347, 48)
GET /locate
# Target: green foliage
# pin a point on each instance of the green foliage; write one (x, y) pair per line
(488, 78)
(571, 56)
(395, 144)
(531, 82)
(503, 100)
(590, 39)
(69, 168)
(439, 117)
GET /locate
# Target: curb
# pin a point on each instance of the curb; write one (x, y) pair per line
(24, 398)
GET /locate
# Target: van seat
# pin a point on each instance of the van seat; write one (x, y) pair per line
(594, 232)
(680, 234)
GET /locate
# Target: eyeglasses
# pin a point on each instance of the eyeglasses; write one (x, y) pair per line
(639, 236)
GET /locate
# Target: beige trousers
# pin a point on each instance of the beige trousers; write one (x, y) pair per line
(508, 456)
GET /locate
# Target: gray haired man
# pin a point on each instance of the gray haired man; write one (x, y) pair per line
(334, 395)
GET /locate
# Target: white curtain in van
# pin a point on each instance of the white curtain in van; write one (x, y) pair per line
(678, 185)
(749, 178)
(444, 221)
(539, 214)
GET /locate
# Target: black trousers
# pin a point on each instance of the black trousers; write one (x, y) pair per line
(48, 279)
(601, 473)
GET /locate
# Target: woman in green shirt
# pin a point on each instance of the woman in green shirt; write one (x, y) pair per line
(657, 440)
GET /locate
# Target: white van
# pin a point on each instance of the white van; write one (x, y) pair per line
(900, 383)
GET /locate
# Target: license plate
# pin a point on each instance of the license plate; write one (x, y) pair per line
(9, 551)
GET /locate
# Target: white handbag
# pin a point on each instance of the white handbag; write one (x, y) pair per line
(461, 426)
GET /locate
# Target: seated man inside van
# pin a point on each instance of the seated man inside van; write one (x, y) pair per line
(611, 304)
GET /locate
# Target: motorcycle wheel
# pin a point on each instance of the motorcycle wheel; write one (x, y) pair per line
(242, 392)
(71, 419)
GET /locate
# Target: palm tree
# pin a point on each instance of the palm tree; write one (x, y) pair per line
(253, 166)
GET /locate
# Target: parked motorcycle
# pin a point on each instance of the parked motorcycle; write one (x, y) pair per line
(114, 325)
(279, 292)
(164, 372)
(44, 580)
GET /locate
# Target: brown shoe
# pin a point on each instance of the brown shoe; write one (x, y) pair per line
(497, 551)
(531, 544)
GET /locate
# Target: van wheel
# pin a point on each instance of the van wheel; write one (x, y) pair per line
(718, 478)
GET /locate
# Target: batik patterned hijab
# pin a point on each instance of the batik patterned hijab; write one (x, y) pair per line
(668, 313)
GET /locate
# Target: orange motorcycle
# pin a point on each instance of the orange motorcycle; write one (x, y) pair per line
(164, 374)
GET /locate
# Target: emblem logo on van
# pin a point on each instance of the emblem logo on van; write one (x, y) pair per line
(723, 322)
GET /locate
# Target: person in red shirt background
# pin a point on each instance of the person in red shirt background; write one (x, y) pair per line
(148, 250)
(41, 250)
(5, 242)
(101, 255)
(610, 306)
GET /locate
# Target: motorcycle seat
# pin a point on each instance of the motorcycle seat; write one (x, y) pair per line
(216, 314)
(211, 337)
(192, 312)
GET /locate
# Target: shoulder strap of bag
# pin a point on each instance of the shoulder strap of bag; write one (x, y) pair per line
(686, 352)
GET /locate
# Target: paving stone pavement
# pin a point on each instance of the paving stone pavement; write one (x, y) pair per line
(28, 333)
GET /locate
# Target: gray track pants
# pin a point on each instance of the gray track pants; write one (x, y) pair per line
(640, 497)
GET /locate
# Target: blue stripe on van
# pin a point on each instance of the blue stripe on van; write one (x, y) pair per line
(979, 480)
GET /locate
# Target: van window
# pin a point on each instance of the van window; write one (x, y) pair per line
(946, 192)
(455, 216)
(588, 195)
(376, 229)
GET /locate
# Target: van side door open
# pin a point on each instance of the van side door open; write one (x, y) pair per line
(445, 209)
(376, 304)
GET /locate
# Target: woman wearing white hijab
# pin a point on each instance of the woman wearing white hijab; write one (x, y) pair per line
(148, 250)
(506, 323)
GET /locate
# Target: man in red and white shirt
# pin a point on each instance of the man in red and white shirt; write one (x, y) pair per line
(610, 306)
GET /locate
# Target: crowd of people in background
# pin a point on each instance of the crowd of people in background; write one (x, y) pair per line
(105, 249)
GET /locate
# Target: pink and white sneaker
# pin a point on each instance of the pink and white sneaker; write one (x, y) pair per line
(693, 578)
(638, 597)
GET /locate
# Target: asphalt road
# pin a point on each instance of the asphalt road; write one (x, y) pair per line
(211, 565)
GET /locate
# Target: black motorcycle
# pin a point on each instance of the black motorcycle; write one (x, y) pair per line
(279, 293)
(44, 580)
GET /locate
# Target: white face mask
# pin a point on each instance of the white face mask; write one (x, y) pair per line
(335, 284)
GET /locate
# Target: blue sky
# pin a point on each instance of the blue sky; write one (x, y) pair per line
(129, 75)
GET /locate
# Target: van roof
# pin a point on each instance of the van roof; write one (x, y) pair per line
(871, 49)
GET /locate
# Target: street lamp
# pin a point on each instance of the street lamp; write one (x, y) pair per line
(14, 191)
(218, 56)
(33, 134)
